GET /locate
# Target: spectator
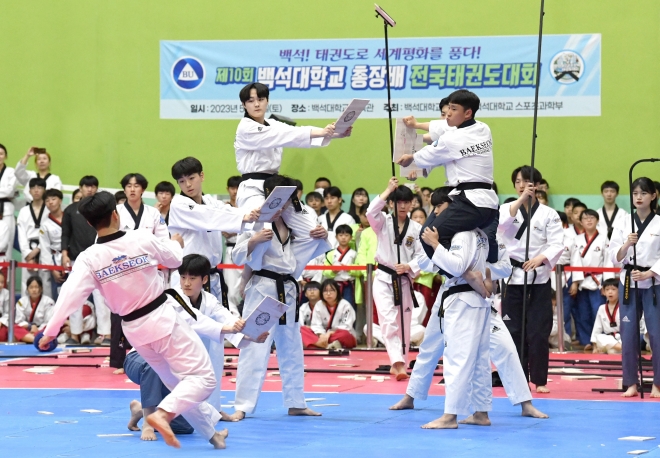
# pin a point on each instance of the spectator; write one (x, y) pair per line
(542, 197)
(321, 184)
(164, 194)
(359, 204)
(605, 336)
(42, 162)
(426, 199)
(33, 310)
(544, 186)
(610, 213)
(76, 195)
(333, 319)
(50, 239)
(342, 255)
(315, 201)
(335, 216)
(568, 208)
(120, 197)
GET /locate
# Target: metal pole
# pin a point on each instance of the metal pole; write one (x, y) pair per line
(559, 303)
(12, 300)
(369, 304)
(529, 215)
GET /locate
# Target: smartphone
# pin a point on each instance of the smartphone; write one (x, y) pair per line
(411, 186)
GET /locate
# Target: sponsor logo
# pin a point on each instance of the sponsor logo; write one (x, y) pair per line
(119, 258)
(407, 309)
(495, 329)
(409, 241)
(122, 265)
(479, 148)
(625, 319)
(191, 206)
(567, 67)
(506, 318)
(455, 247)
(260, 128)
(188, 73)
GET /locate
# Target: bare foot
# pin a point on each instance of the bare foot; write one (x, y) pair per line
(528, 410)
(236, 416)
(218, 439)
(398, 369)
(224, 416)
(119, 371)
(542, 389)
(447, 421)
(655, 392)
(477, 418)
(630, 392)
(160, 420)
(148, 433)
(406, 402)
(476, 280)
(306, 412)
(136, 415)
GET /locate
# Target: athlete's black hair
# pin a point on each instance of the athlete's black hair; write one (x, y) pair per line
(444, 102)
(89, 180)
(119, 195)
(610, 282)
(526, 173)
(274, 181)
(313, 195)
(37, 181)
(323, 179)
(53, 193)
(234, 182)
(185, 167)
(466, 99)
(312, 285)
(36, 278)
(589, 212)
(418, 210)
(646, 185)
(344, 229)
(139, 179)
(97, 209)
(244, 95)
(165, 186)
(195, 265)
(402, 194)
(333, 191)
(571, 201)
(331, 282)
(441, 195)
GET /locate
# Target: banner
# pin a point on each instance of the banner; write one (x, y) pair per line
(311, 79)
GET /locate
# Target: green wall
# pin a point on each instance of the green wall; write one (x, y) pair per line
(81, 77)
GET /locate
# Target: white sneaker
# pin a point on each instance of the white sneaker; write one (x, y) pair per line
(99, 339)
(85, 339)
(336, 345)
(62, 338)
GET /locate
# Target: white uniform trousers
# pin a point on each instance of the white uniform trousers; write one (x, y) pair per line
(250, 196)
(416, 333)
(233, 280)
(253, 359)
(389, 320)
(184, 366)
(466, 364)
(605, 342)
(503, 355)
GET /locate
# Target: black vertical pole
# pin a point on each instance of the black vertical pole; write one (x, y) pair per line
(529, 213)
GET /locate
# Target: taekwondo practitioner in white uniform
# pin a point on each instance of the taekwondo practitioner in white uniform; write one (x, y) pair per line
(503, 354)
(465, 148)
(258, 146)
(270, 255)
(232, 276)
(124, 267)
(28, 225)
(50, 237)
(545, 247)
(606, 334)
(640, 279)
(466, 319)
(406, 235)
(201, 218)
(213, 324)
(42, 162)
(610, 213)
(7, 222)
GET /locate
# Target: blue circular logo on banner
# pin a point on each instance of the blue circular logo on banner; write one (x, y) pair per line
(188, 73)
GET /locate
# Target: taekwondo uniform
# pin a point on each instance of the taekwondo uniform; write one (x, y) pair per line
(258, 156)
(50, 244)
(273, 264)
(341, 322)
(606, 334)
(502, 349)
(23, 177)
(124, 267)
(330, 225)
(343, 277)
(8, 222)
(589, 253)
(606, 224)
(416, 323)
(467, 155)
(232, 276)
(386, 256)
(466, 364)
(201, 227)
(570, 303)
(39, 317)
(648, 258)
(28, 225)
(305, 314)
(546, 238)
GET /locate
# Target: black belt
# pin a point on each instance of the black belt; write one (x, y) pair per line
(257, 176)
(281, 293)
(626, 284)
(396, 284)
(230, 244)
(223, 286)
(2, 205)
(153, 305)
(469, 186)
(450, 292)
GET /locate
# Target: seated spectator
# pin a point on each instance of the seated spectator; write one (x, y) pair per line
(312, 292)
(359, 204)
(120, 197)
(33, 311)
(164, 194)
(28, 225)
(335, 216)
(342, 255)
(606, 337)
(332, 320)
(88, 326)
(4, 313)
(42, 162)
(568, 208)
(542, 197)
(315, 201)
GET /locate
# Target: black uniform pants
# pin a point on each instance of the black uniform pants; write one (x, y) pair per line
(462, 215)
(118, 343)
(537, 327)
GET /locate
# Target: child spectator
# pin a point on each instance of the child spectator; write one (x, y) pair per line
(342, 255)
(312, 292)
(7, 221)
(335, 216)
(33, 310)
(4, 313)
(605, 336)
(333, 319)
(315, 201)
(164, 194)
(88, 326)
(50, 238)
(120, 197)
(426, 199)
(542, 197)
(42, 162)
(568, 208)
(590, 250)
(28, 226)
(610, 212)
(359, 204)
